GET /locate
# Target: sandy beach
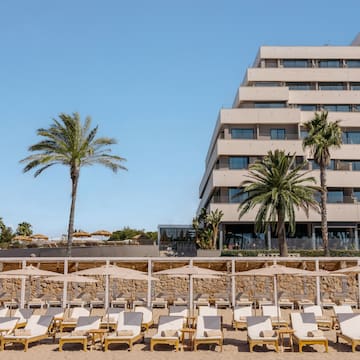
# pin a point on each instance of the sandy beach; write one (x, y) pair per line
(235, 346)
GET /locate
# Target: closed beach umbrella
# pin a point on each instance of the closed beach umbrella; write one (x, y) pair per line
(102, 233)
(40, 237)
(190, 271)
(22, 238)
(81, 234)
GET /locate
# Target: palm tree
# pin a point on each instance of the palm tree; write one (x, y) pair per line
(276, 185)
(69, 142)
(213, 220)
(322, 136)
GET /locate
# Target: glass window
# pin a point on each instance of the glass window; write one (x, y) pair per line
(303, 134)
(355, 165)
(242, 133)
(235, 196)
(277, 134)
(335, 196)
(351, 137)
(295, 63)
(266, 84)
(329, 63)
(331, 86)
(356, 194)
(307, 107)
(315, 166)
(271, 63)
(356, 108)
(341, 108)
(300, 86)
(267, 105)
(353, 63)
(355, 86)
(238, 162)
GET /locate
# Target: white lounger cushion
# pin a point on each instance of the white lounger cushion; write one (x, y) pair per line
(169, 323)
(147, 313)
(343, 309)
(257, 324)
(350, 325)
(178, 311)
(8, 323)
(208, 325)
(207, 311)
(303, 324)
(37, 325)
(84, 324)
(241, 312)
(130, 322)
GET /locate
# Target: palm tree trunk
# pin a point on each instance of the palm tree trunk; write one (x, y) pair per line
(215, 236)
(324, 228)
(281, 234)
(74, 183)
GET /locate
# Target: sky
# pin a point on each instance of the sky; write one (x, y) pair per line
(152, 74)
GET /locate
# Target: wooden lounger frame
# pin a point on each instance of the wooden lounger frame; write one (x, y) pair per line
(122, 340)
(302, 342)
(23, 340)
(75, 340)
(253, 342)
(210, 340)
(172, 342)
(349, 340)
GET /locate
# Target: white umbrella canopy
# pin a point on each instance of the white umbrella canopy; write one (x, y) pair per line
(191, 272)
(28, 272)
(349, 270)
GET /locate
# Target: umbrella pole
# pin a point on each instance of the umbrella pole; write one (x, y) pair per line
(318, 295)
(106, 292)
(191, 293)
(64, 299)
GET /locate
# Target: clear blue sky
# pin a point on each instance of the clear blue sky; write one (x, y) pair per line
(152, 74)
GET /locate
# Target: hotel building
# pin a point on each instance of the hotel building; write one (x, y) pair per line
(280, 92)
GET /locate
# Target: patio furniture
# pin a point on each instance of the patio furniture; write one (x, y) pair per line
(240, 314)
(208, 331)
(321, 320)
(260, 332)
(169, 332)
(147, 319)
(349, 329)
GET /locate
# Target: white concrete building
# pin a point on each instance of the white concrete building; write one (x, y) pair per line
(282, 90)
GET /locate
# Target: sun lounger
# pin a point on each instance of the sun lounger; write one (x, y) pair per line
(327, 303)
(208, 331)
(202, 300)
(207, 311)
(321, 320)
(159, 302)
(304, 302)
(342, 309)
(349, 329)
(260, 332)
(286, 303)
(244, 301)
(11, 304)
(54, 302)
(77, 302)
(139, 301)
(169, 332)
(110, 319)
(81, 334)
(147, 319)
(275, 314)
(7, 326)
(97, 303)
(222, 302)
(348, 301)
(239, 316)
(22, 315)
(179, 311)
(179, 301)
(264, 301)
(36, 303)
(4, 312)
(36, 329)
(128, 330)
(306, 331)
(58, 315)
(70, 321)
(120, 302)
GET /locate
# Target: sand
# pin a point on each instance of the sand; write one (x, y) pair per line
(235, 347)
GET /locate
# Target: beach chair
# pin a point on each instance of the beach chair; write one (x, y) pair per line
(36, 329)
(81, 334)
(243, 300)
(11, 304)
(222, 301)
(110, 319)
(159, 302)
(260, 332)
(180, 301)
(340, 309)
(120, 302)
(4, 312)
(7, 326)
(285, 302)
(169, 332)
(53, 302)
(304, 302)
(179, 311)
(349, 329)
(58, 315)
(207, 311)
(202, 300)
(23, 315)
(76, 302)
(240, 314)
(321, 320)
(128, 330)
(264, 301)
(275, 314)
(147, 319)
(71, 318)
(208, 331)
(97, 303)
(36, 303)
(348, 301)
(327, 303)
(306, 331)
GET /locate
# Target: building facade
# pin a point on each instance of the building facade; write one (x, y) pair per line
(279, 93)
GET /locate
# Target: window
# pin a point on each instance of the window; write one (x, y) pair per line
(342, 108)
(303, 134)
(307, 107)
(277, 134)
(235, 196)
(242, 133)
(353, 63)
(356, 194)
(329, 63)
(335, 196)
(331, 86)
(315, 166)
(296, 63)
(267, 105)
(355, 86)
(271, 63)
(355, 165)
(238, 162)
(351, 137)
(266, 84)
(300, 86)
